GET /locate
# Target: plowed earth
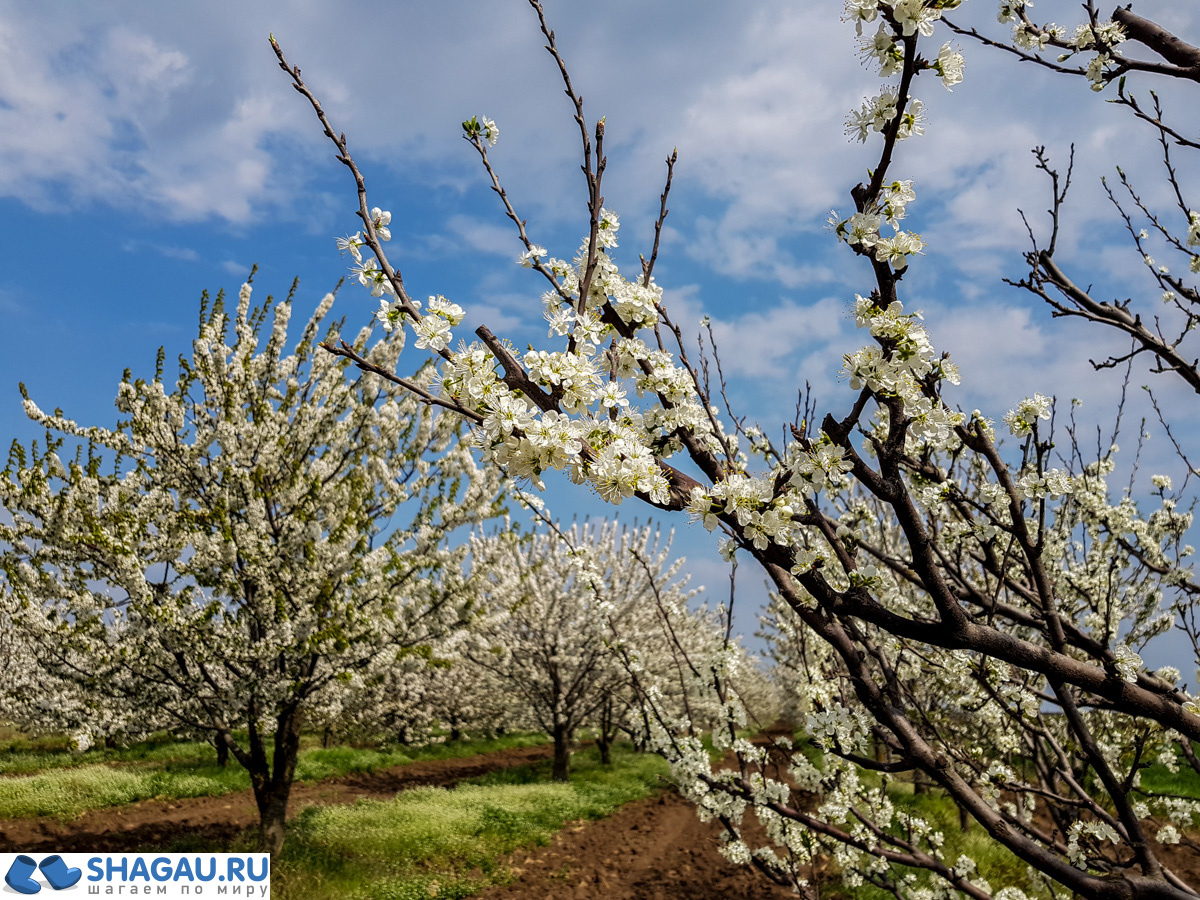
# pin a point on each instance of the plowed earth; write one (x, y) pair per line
(157, 822)
(654, 849)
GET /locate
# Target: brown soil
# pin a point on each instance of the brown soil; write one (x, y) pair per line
(1181, 859)
(654, 849)
(219, 819)
(650, 849)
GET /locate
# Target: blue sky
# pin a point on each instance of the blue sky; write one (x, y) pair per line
(152, 150)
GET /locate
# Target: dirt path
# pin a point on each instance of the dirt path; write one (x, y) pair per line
(156, 822)
(650, 849)
(655, 849)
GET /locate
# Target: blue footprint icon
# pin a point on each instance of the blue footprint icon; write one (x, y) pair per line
(18, 876)
(58, 873)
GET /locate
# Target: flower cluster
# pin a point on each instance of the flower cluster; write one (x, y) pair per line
(949, 65)
(884, 49)
(1090, 832)
(877, 113)
(861, 230)
(1104, 34)
(1193, 240)
(593, 431)
(1030, 37)
(1127, 662)
(1024, 417)
(899, 364)
(482, 127)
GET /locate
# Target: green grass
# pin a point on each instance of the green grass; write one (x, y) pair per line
(22, 756)
(1160, 779)
(172, 771)
(320, 763)
(69, 792)
(438, 843)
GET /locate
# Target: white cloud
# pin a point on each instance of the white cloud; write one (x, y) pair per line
(772, 342)
(180, 112)
(184, 254)
(499, 320)
(97, 112)
(768, 352)
(732, 249)
(184, 113)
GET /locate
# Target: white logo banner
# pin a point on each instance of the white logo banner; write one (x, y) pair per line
(170, 875)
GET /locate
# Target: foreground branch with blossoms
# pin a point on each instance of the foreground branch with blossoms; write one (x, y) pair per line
(969, 608)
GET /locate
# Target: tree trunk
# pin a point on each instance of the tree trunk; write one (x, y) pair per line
(272, 820)
(562, 753)
(273, 787)
(606, 732)
(920, 782)
(222, 751)
(455, 731)
(635, 738)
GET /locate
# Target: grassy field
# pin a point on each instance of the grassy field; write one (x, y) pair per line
(1160, 779)
(440, 843)
(427, 843)
(433, 842)
(27, 756)
(65, 785)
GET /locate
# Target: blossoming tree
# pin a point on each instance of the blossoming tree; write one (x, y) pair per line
(558, 604)
(581, 623)
(228, 573)
(998, 585)
(436, 689)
